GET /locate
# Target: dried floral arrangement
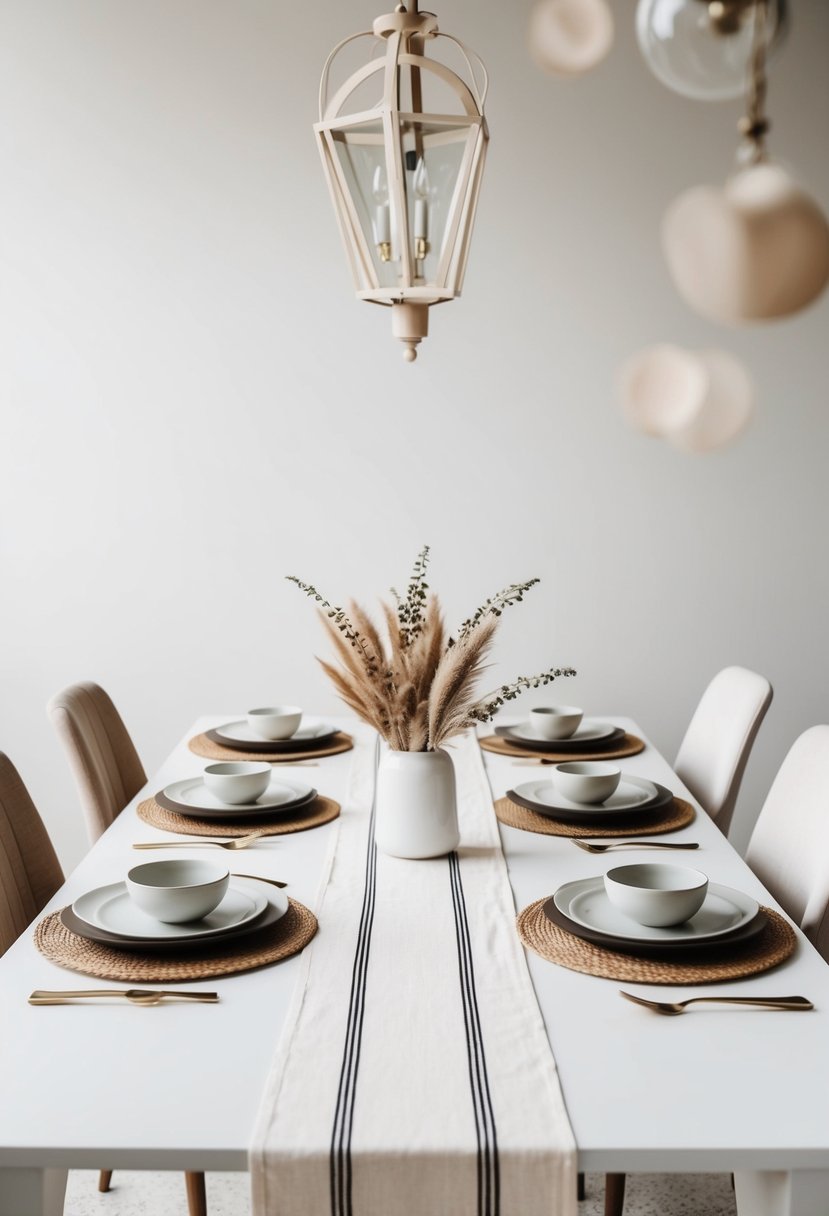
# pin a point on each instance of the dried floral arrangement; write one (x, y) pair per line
(417, 688)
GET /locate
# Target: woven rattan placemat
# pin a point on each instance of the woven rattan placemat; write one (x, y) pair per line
(677, 814)
(773, 946)
(321, 810)
(200, 745)
(631, 745)
(288, 936)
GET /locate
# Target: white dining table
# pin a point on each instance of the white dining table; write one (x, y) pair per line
(175, 1087)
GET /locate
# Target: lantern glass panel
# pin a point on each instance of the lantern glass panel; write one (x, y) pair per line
(361, 155)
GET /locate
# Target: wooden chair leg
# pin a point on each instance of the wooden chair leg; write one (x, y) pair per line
(614, 1194)
(580, 1188)
(104, 1179)
(196, 1194)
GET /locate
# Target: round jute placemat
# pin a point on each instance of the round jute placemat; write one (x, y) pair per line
(773, 946)
(200, 745)
(288, 936)
(678, 814)
(631, 745)
(321, 810)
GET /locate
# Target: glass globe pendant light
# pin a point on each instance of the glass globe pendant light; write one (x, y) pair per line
(700, 48)
(404, 171)
(758, 248)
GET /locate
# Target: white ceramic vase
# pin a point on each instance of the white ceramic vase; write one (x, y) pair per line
(417, 813)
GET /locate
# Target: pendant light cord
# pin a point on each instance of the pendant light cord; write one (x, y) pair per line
(754, 126)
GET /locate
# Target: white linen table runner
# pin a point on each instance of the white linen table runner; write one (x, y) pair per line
(414, 1074)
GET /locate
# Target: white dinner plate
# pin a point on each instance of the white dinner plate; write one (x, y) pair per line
(590, 731)
(585, 901)
(111, 909)
(632, 794)
(193, 795)
(240, 732)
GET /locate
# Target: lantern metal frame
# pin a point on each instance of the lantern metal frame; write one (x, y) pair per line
(382, 128)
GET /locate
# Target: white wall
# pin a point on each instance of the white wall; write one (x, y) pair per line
(194, 405)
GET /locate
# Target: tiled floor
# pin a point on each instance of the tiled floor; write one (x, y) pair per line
(137, 1194)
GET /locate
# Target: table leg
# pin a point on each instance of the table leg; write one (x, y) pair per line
(32, 1192)
(780, 1193)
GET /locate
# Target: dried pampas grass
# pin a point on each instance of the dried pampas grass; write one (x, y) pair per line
(417, 686)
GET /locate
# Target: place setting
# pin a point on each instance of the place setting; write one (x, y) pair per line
(241, 800)
(656, 923)
(577, 797)
(276, 734)
(553, 733)
(181, 919)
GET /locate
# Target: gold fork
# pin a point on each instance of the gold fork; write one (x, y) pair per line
(233, 842)
(589, 847)
(136, 996)
(671, 1008)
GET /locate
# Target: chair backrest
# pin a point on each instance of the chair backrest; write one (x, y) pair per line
(30, 872)
(713, 755)
(789, 847)
(104, 762)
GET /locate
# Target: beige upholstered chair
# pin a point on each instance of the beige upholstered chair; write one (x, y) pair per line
(713, 755)
(789, 848)
(108, 773)
(104, 762)
(29, 869)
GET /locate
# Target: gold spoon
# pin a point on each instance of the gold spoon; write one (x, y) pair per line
(136, 996)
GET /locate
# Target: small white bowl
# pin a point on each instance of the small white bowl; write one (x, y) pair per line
(556, 721)
(237, 782)
(590, 781)
(275, 721)
(655, 894)
(177, 891)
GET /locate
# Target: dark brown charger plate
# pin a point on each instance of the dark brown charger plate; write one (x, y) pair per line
(632, 945)
(609, 742)
(244, 815)
(596, 815)
(153, 945)
(274, 747)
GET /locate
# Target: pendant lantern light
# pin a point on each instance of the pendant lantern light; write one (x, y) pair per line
(404, 179)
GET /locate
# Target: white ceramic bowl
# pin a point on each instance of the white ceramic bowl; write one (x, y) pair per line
(275, 721)
(177, 891)
(238, 781)
(555, 721)
(656, 894)
(590, 781)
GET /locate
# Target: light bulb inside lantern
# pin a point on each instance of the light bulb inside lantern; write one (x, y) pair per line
(421, 212)
(382, 216)
(702, 48)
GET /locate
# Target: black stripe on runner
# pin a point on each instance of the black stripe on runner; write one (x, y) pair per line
(489, 1181)
(340, 1167)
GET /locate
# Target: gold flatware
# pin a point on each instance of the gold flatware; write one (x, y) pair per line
(233, 842)
(589, 847)
(671, 1008)
(136, 996)
(259, 878)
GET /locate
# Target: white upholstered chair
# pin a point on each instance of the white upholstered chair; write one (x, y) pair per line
(101, 754)
(711, 761)
(714, 752)
(789, 848)
(108, 774)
